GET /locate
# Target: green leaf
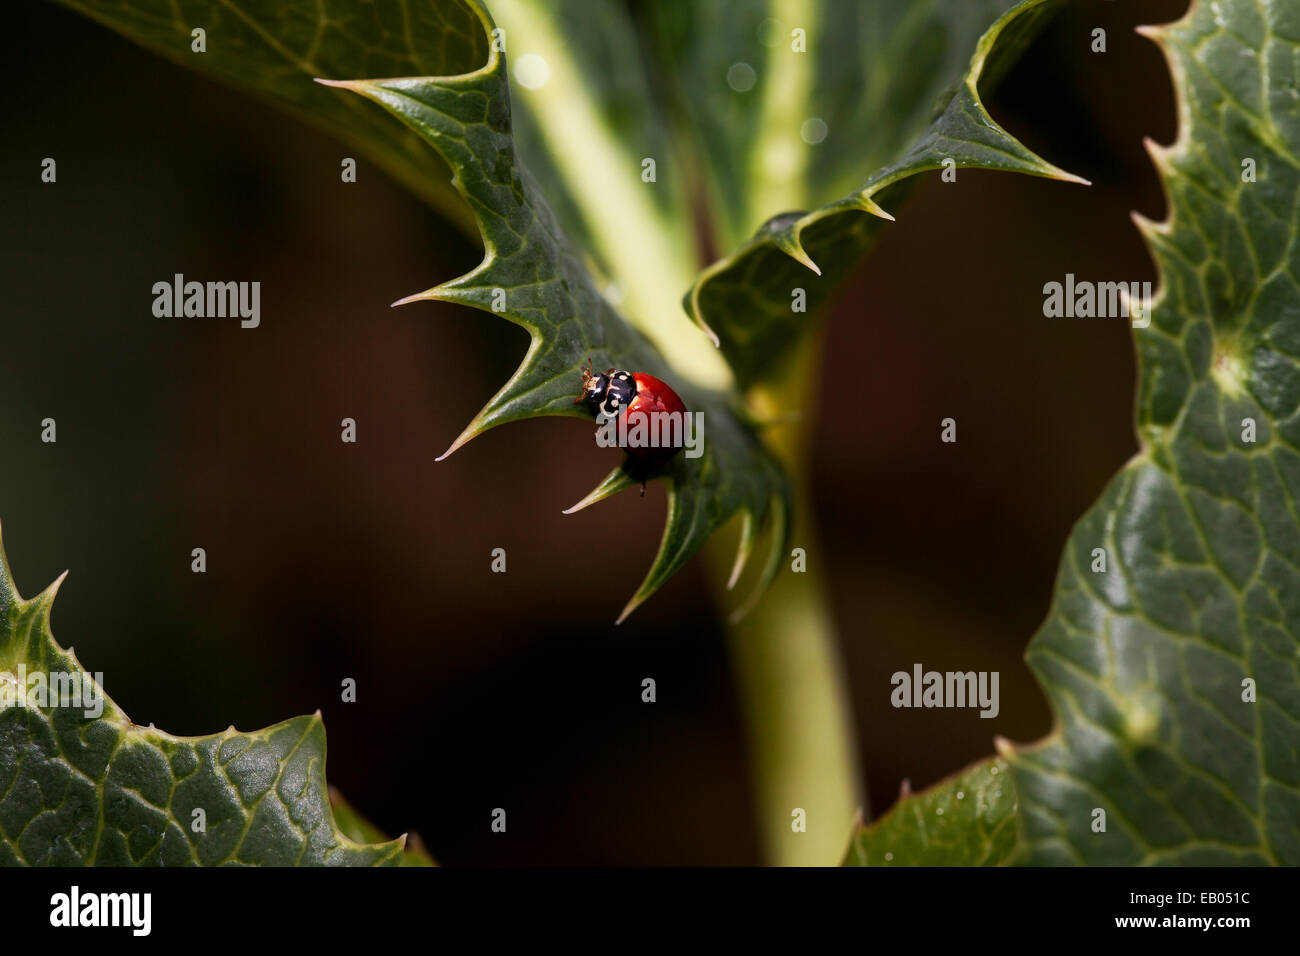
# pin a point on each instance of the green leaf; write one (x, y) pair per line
(85, 786)
(880, 77)
(533, 276)
(586, 121)
(967, 820)
(1174, 673)
(276, 49)
(1144, 664)
(360, 830)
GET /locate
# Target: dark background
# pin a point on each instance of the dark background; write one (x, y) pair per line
(326, 560)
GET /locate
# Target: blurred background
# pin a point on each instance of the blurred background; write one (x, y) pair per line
(371, 561)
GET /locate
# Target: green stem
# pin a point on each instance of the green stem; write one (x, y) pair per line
(789, 674)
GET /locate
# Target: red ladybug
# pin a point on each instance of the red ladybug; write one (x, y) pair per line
(639, 403)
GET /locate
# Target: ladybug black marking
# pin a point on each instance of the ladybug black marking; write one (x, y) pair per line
(607, 394)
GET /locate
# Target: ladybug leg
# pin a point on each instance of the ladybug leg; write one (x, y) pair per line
(586, 377)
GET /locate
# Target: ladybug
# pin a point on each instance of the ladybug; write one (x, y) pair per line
(635, 400)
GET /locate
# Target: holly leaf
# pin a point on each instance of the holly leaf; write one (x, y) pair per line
(533, 276)
(814, 101)
(83, 786)
(1171, 654)
(967, 820)
(1174, 673)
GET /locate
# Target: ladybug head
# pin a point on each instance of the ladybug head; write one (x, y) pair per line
(593, 386)
(608, 393)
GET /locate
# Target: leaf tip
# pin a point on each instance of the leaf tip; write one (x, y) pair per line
(469, 432)
(748, 534)
(635, 602)
(353, 85)
(45, 600)
(616, 481)
(799, 255)
(788, 242)
(414, 297)
(1042, 167)
(776, 516)
(1153, 32)
(1067, 177)
(867, 204)
(1149, 228)
(1158, 152)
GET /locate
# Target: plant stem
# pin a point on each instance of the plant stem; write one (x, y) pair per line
(788, 670)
